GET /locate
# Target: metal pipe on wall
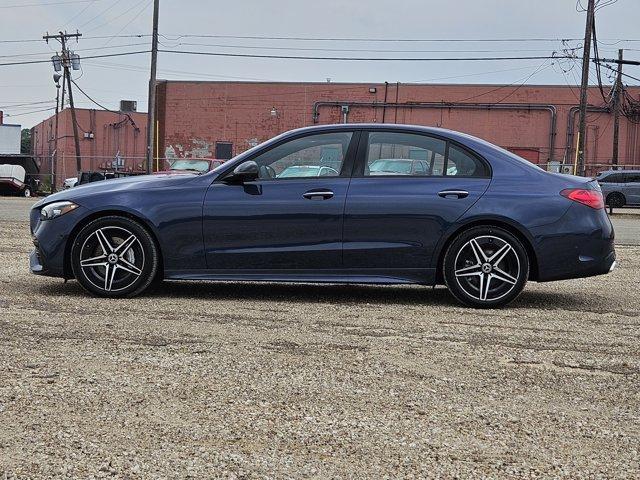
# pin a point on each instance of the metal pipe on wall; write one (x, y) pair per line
(460, 106)
(571, 119)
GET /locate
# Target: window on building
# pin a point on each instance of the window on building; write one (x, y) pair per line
(224, 150)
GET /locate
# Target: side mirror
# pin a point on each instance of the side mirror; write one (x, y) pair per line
(245, 172)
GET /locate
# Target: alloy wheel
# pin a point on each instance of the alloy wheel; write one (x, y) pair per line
(112, 258)
(487, 268)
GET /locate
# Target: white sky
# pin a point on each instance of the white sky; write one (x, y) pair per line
(111, 79)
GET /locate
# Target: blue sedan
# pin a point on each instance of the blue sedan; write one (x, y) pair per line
(467, 214)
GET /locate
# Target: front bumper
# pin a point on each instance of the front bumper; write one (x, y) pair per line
(50, 239)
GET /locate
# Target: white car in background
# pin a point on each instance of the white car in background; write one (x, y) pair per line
(69, 183)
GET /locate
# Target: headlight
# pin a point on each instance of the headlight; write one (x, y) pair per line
(56, 209)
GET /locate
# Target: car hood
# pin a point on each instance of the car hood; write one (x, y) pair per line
(175, 172)
(139, 182)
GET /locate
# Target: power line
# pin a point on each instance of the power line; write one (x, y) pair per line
(318, 49)
(145, 6)
(100, 14)
(14, 105)
(28, 113)
(80, 12)
(615, 41)
(91, 99)
(614, 70)
(35, 54)
(362, 59)
(520, 81)
(363, 39)
(44, 4)
(122, 54)
(111, 20)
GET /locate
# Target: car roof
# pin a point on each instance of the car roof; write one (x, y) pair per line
(382, 126)
(619, 171)
(475, 143)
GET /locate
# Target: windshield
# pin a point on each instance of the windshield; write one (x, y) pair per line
(197, 165)
(396, 166)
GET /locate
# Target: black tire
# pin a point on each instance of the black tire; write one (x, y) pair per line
(486, 267)
(114, 257)
(616, 200)
(27, 192)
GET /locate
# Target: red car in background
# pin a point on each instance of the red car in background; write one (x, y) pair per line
(191, 165)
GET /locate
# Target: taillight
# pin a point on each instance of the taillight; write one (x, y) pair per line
(590, 198)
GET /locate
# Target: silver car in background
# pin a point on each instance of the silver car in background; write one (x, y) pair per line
(620, 187)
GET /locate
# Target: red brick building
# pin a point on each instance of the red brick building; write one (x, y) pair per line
(539, 122)
(107, 140)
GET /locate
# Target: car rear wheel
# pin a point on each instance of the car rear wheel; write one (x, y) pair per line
(486, 267)
(616, 200)
(114, 257)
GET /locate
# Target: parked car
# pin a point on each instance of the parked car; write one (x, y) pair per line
(298, 171)
(483, 231)
(15, 181)
(69, 182)
(620, 187)
(191, 165)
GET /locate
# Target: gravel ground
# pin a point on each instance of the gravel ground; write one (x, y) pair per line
(207, 380)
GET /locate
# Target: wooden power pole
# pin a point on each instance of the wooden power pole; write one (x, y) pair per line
(617, 105)
(151, 110)
(66, 62)
(586, 54)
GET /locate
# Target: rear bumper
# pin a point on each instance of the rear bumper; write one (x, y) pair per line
(580, 244)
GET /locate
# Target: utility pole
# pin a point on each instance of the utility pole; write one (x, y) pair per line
(616, 111)
(54, 167)
(67, 61)
(586, 54)
(151, 110)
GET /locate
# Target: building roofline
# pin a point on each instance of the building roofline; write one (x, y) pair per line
(255, 82)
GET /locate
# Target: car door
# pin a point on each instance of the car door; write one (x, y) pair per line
(290, 222)
(395, 221)
(631, 188)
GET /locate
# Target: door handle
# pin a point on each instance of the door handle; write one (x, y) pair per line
(318, 194)
(453, 193)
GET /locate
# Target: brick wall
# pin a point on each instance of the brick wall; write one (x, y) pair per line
(193, 116)
(103, 135)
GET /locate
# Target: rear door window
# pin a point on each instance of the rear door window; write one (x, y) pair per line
(613, 178)
(463, 164)
(417, 155)
(633, 178)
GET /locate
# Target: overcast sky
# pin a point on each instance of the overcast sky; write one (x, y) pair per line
(110, 79)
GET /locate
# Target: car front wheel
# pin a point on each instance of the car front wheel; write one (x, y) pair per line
(486, 267)
(114, 257)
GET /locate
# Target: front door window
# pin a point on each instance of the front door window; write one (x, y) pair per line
(312, 156)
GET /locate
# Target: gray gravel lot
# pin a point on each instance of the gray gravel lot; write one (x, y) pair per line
(303, 381)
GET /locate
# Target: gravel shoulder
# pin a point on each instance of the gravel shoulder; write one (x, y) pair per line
(240, 380)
